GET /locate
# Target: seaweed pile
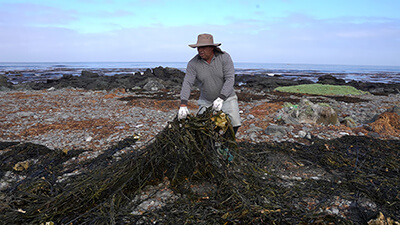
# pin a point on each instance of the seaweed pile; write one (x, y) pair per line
(245, 184)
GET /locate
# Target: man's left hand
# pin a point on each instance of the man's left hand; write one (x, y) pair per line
(217, 104)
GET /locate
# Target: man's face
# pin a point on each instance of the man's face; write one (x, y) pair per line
(206, 52)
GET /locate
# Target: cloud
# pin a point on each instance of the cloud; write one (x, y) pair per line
(114, 14)
(303, 39)
(28, 14)
(97, 1)
(295, 38)
(60, 44)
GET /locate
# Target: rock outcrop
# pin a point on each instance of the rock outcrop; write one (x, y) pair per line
(307, 112)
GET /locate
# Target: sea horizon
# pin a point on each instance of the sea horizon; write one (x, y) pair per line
(383, 74)
(181, 63)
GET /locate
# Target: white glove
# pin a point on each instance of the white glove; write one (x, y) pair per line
(217, 104)
(183, 112)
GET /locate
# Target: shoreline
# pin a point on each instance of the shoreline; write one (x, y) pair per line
(171, 78)
(94, 120)
(93, 111)
(40, 72)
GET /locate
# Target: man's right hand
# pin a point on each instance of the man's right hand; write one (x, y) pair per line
(183, 112)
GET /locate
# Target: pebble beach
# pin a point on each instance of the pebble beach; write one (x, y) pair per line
(95, 120)
(79, 121)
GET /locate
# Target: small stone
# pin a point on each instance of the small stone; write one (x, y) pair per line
(335, 211)
(302, 134)
(89, 139)
(276, 130)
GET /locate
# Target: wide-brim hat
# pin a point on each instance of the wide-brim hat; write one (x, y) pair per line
(204, 40)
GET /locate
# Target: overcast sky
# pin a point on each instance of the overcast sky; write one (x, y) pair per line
(356, 32)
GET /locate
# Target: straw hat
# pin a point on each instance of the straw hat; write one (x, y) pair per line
(204, 40)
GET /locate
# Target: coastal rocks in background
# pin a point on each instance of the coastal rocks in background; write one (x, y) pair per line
(373, 88)
(88, 74)
(307, 112)
(106, 79)
(376, 88)
(266, 83)
(329, 79)
(4, 84)
(4, 80)
(153, 85)
(170, 78)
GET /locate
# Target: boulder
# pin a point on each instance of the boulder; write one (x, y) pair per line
(4, 81)
(276, 130)
(329, 79)
(307, 112)
(98, 84)
(376, 88)
(266, 83)
(395, 109)
(148, 73)
(153, 85)
(88, 74)
(159, 72)
(349, 122)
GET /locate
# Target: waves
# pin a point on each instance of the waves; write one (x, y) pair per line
(375, 74)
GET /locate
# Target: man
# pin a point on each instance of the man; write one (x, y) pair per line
(213, 71)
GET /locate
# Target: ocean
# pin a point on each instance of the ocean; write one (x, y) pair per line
(39, 71)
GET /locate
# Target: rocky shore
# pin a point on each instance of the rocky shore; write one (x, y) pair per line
(93, 112)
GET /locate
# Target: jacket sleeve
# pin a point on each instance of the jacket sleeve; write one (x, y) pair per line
(188, 82)
(229, 77)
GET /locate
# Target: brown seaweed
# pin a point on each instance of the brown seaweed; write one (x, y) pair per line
(250, 189)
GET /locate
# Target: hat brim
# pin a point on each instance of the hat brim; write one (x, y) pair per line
(202, 45)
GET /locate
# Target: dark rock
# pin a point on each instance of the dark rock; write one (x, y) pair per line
(159, 72)
(4, 81)
(4, 84)
(148, 73)
(266, 83)
(374, 134)
(65, 76)
(169, 78)
(172, 79)
(88, 74)
(99, 84)
(395, 109)
(376, 88)
(329, 79)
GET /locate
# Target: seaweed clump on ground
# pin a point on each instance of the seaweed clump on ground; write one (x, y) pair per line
(210, 179)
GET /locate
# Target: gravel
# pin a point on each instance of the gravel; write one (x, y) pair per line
(84, 119)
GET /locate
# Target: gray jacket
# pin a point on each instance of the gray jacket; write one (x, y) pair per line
(214, 80)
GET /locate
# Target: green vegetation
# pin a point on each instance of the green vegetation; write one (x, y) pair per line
(322, 89)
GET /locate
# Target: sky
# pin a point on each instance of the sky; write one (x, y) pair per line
(349, 32)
